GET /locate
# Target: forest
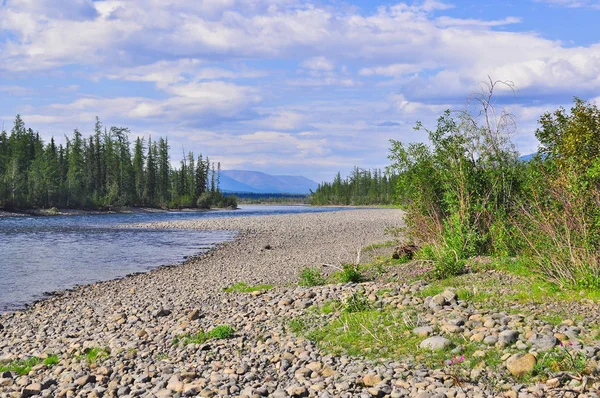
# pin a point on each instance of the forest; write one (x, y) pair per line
(361, 187)
(102, 172)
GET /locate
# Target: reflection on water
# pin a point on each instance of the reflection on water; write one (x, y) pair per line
(44, 254)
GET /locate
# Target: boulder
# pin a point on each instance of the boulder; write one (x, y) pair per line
(520, 365)
(435, 343)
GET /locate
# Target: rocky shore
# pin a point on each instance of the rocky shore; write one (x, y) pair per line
(174, 332)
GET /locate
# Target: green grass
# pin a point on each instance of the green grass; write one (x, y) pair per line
(242, 287)
(217, 333)
(311, 276)
(389, 243)
(350, 273)
(561, 359)
(95, 354)
(23, 366)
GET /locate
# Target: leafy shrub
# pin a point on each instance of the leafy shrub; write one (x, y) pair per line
(310, 276)
(350, 274)
(204, 201)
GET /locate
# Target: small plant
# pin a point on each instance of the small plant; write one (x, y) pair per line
(161, 356)
(356, 302)
(562, 359)
(297, 325)
(455, 369)
(311, 277)
(21, 367)
(95, 354)
(242, 287)
(350, 274)
(51, 360)
(220, 332)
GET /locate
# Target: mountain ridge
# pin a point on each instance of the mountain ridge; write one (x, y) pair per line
(247, 181)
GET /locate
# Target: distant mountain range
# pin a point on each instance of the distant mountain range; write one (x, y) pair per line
(258, 182)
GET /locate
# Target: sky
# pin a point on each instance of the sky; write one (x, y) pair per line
(289, 86)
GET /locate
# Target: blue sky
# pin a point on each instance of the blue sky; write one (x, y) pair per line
(289, 86)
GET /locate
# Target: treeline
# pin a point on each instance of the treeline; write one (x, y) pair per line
(361, 187)
(467, 194)
(101, 171)
(271, 198)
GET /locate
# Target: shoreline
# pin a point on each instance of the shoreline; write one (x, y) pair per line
(151, 334)
(80, 212)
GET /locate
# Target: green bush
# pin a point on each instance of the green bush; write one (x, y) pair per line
(350, 274)
(311, 277)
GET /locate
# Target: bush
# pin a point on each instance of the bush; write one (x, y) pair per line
(350, 274)
(204, 201)
(311, 277)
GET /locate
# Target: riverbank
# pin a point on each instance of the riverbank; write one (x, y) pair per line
(79, 212)
(175, 332)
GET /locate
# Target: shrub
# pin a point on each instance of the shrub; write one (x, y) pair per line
(356, 302)
(311, 277)
(350, 274)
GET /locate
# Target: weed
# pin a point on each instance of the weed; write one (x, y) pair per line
(51, 360)
(297, 325)
(21, 367)
(217, 333)
(350, 274)
(242, 287)
(95, 354)
(356, 302)
(311, 277)
(562, 359)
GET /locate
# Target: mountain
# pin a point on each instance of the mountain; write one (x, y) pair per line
(258, 182)
(527, 158)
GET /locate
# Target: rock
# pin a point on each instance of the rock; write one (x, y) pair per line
(194, 314)
(449, 295)
(83, 380)
(520, 365)
(297, 391)
(268, 247)
(435, 343)
(32, 389)
(553, 383)
(508, 337)
(490, 340)
(371, 380)
(423, 331)
(162, 313)
(542, 342)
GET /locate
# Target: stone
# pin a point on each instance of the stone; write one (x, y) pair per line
(449, 295)
(520, 365)
(423, 331)
(297, 391)
(162, 312)
(542, 342)
(194, 314)
(508, 337)
(32, 389)
(371, 380)
(83, 380)
(490, 340)
(435, 343)
(553, 383)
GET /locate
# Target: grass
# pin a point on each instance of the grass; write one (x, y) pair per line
(220, 332)
(24, 366)
(561, 359)
(311, 276)
(243, 287)
(389, 243)
(95, 354)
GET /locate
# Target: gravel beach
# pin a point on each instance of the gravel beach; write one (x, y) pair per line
(141, 335)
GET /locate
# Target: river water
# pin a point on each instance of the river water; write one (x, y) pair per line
(45, 254)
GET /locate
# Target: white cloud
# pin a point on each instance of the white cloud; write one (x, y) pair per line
(572, 3)
(318, 63)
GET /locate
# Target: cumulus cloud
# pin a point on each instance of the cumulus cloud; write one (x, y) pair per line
(305, 79)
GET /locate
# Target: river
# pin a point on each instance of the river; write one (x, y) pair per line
(46, 254)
